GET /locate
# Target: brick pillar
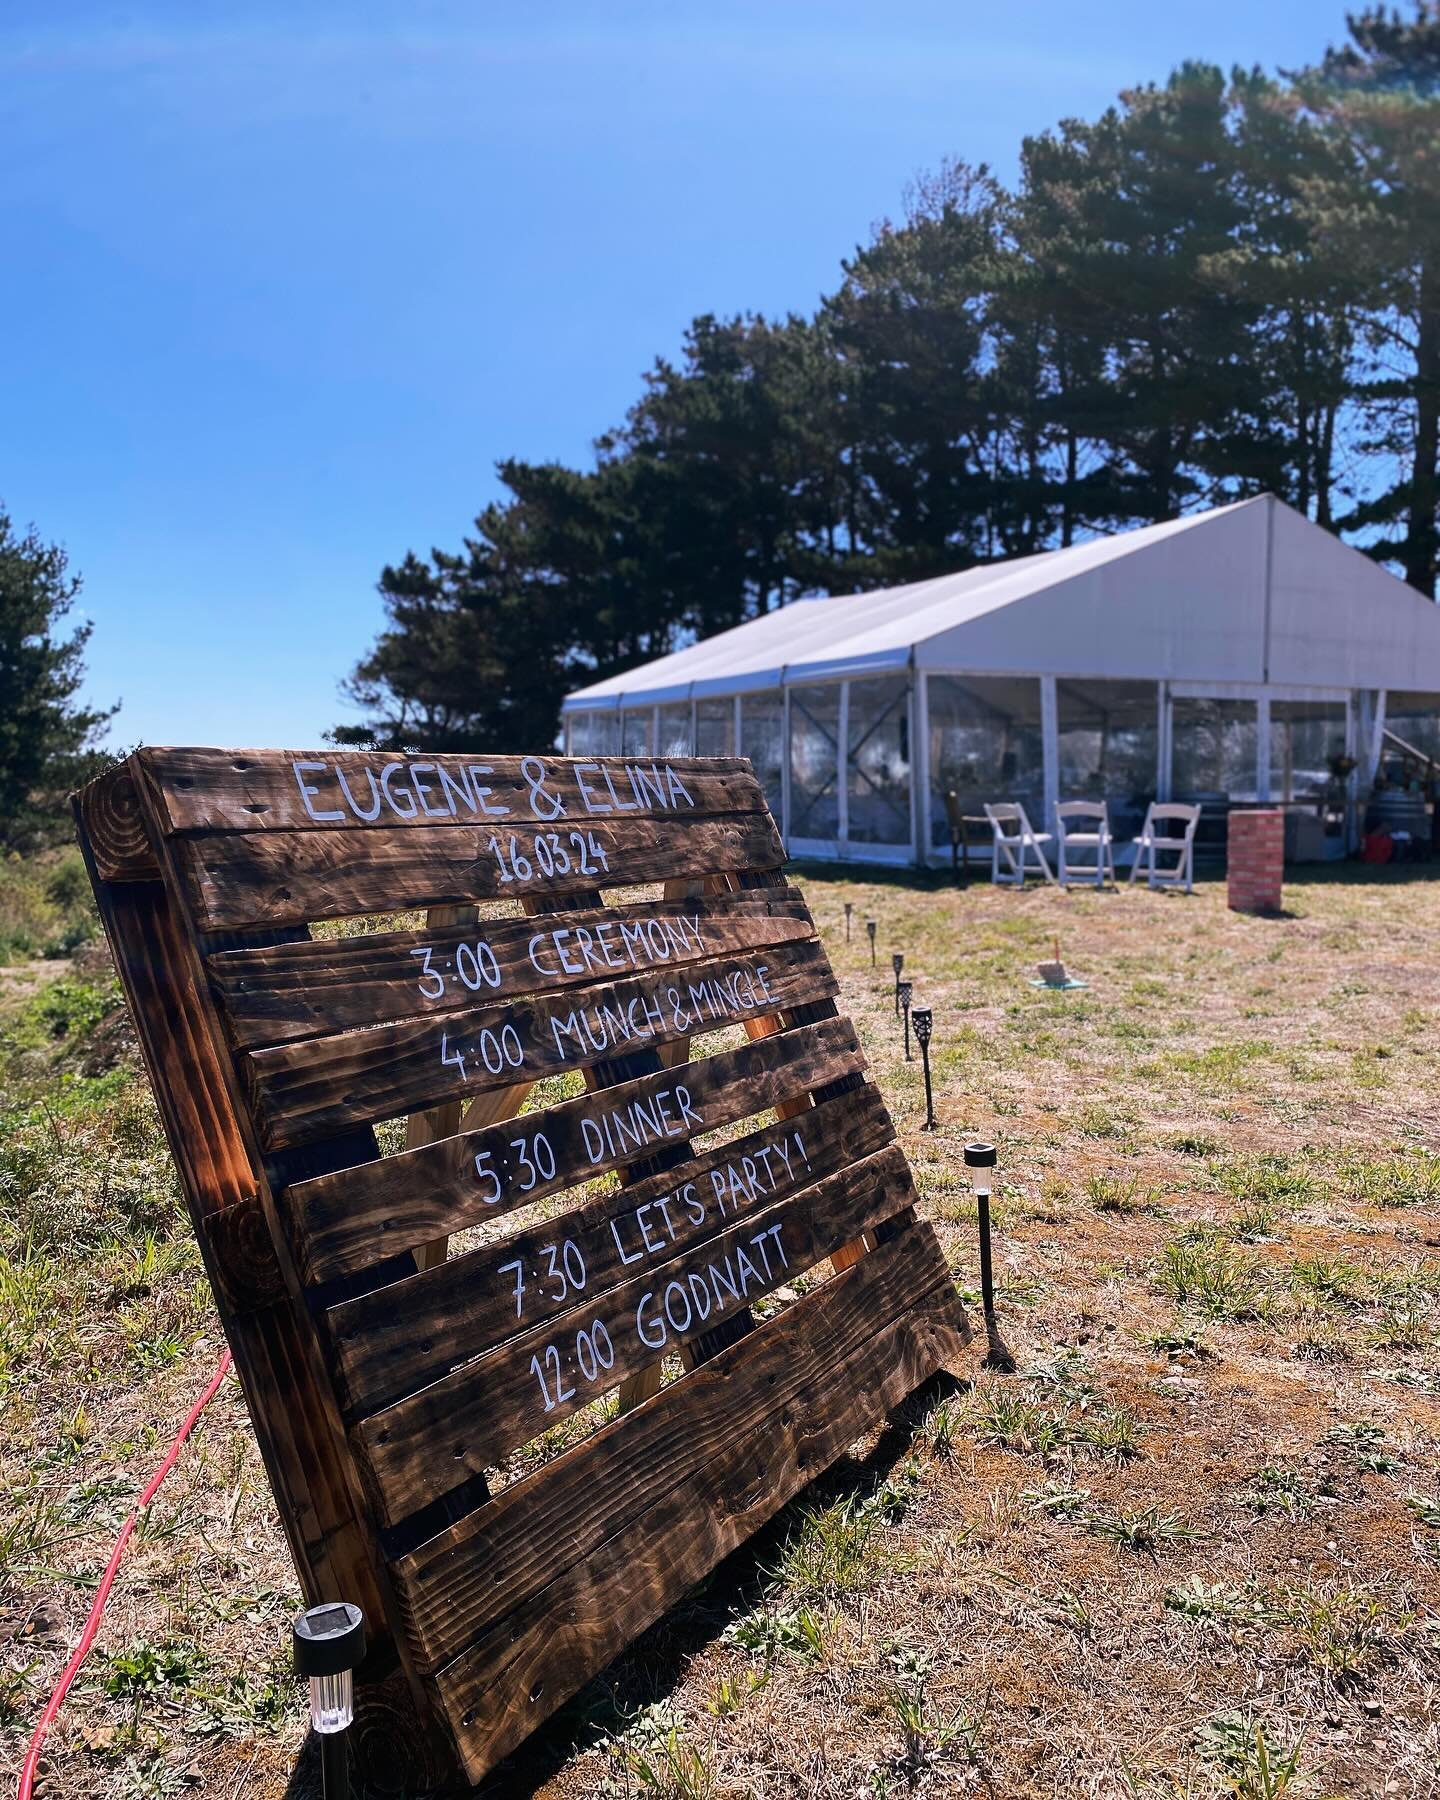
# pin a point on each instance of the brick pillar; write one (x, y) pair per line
(1256, 861)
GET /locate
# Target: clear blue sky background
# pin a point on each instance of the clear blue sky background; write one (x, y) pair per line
(284, 278)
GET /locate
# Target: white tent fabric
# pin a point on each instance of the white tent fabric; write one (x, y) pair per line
(1252, 593)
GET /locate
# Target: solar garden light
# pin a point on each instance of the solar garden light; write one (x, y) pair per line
(849, 908)
(980, 1160)
(923, 1020)
(897, 963)
(329, 1644)
(870, 927)
(907, 992)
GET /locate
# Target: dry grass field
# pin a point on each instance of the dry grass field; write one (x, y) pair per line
(1192, 1547)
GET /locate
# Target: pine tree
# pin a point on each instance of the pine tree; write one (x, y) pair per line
(908, 325)
(49, 743)
(1306, 301)
(1379, 98)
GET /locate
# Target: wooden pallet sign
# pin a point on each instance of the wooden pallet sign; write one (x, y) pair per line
(520, 1377)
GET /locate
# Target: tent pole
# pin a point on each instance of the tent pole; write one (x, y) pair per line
(919, 766)
(1050, 744)
(842, 772)
(785, 767)
(1262, 749)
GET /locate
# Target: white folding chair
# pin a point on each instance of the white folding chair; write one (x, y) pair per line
(1015, 839)
(1157, 836)
(1090, 820)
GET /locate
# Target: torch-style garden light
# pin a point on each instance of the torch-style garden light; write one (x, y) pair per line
(897, 963)
(923, 1020)
(980, 1160)
(907, 993)
(870, 927)
(849, 908)
(329, 1644)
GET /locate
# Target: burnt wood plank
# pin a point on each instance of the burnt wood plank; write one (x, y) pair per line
(463, 1423)
(346, 790)
(289, 991)
(439, 1121)
(480, 1570)
(277, 1355)
(113, 829)
(342, 1222)
(512, 1602)
(497, 1693)
(320, 1085)
(245, 878)
(391, 1341)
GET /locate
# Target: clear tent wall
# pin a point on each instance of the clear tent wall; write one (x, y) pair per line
(871, 768)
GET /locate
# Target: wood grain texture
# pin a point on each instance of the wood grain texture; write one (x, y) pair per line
(280, 877)
(112, 824)
(332, 790)
(272, 1058)
(343, 1221)
(436, 1122)
(277, 994)
(276, 1356)
(481, 1571)
(464, 1422)
(320, 1085)
(499, 1692)
(393, 1340)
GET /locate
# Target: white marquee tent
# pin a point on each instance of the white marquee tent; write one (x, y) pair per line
(1229, 655)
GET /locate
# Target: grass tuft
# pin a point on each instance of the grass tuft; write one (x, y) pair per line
(1203, 1272)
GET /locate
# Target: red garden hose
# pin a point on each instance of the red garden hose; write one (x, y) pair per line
(107, 1581)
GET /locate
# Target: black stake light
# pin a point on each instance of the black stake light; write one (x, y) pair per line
(849, 908)
(923, 1020)
(870, 927)
(907, 993)
(329, 1644)
(980, 1160)
(897, 963)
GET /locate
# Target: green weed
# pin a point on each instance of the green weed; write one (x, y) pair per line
(1113, 1432)
(1267, 1182)
(1120, 1194)
(1363, 1441)
(732, 1691)
(1345, 1630)
(662, 1762)
(1426, 1508)
(925, 1734)
(828, 1551)
(1004, 1416)
(1058, 1500)
(1251, 1768)
(1098, 1121)
(1399, 1178)
(1198, 1599)
(1194, 1143)
(1205, 1273)
(143, 1668)
(770, 1633)
(1279, 1490)
(1145, 1528)
(1328, 1281)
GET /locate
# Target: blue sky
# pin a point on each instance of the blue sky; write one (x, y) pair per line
(285, 280)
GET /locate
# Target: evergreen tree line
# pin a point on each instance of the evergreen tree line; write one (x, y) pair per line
(1222, 286)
